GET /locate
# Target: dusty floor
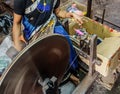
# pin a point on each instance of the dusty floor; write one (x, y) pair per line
(99, 89)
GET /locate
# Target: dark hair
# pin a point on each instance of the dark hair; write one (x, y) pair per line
(5, 8)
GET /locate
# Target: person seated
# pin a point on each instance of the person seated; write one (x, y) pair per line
(35, 15)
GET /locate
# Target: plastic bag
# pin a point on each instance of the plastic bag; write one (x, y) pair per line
(73, 8)
(4, 62)
(4, 59)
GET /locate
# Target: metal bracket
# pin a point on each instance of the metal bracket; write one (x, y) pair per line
(93, 54)
(48, 84)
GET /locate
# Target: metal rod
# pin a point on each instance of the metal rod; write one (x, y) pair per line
(93, 54)
(86, 83)
(99, 18)
(89, 6)
(103, 16)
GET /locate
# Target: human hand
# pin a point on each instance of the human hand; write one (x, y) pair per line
(78, 19)
(19, 46)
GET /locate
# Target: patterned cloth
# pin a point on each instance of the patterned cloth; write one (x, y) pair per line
(6, 22)
(4, 59)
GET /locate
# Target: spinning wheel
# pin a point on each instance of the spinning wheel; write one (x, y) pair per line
(41, 64)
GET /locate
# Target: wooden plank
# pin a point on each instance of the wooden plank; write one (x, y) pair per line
(109, 53)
